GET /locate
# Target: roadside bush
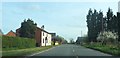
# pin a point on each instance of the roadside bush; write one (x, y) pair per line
(17, 42)
(107, 37)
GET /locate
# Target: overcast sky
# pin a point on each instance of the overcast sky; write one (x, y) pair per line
(66, 18)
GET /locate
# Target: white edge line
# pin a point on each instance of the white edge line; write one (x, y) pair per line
(38, 52)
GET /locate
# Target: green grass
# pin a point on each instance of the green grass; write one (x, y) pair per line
(23, 52)
(0, 37)
(113, 50)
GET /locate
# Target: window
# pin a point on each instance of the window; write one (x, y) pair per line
(46, 40)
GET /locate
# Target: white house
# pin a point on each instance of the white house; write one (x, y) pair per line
(43, 38)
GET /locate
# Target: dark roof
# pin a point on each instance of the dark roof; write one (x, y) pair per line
(42, 30)
(37, 28)
(53, 34)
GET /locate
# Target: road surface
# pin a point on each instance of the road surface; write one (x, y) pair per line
(71, 50)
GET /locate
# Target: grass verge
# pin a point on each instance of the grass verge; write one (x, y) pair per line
(24, 52)
(106, 49)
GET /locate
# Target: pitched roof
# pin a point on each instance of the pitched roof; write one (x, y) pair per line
(11, 33)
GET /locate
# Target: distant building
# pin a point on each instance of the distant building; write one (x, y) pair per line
(53, 34)
(11, 33)
(54, 39)
(42, 37)
(79, 39)
(119, 6)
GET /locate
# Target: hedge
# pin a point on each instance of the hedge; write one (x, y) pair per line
(17, 42)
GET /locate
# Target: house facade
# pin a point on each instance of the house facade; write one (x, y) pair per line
(42, 37)
(46, 39)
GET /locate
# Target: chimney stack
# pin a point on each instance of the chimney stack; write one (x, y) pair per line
(42, 27)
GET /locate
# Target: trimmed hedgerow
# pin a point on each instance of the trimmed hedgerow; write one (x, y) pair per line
(17, 42)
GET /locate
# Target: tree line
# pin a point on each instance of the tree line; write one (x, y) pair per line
(97, 23)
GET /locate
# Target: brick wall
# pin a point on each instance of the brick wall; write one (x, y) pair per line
(38, 37)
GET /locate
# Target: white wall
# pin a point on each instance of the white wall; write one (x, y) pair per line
(48, 39)
(119, 6)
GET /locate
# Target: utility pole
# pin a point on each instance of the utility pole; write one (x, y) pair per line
(81, 33)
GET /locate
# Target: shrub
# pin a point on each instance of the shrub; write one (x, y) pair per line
(107, 36)
(17, 42)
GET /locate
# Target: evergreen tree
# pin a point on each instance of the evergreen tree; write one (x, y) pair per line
(100, 22)
(109, 19)
(96, 23)
(89, 24)
(28, 29)
(118, 18)
(92, 24)
(114, 24)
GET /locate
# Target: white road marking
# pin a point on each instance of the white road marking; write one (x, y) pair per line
(73, 50)
(76, 56)
(38, 52)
